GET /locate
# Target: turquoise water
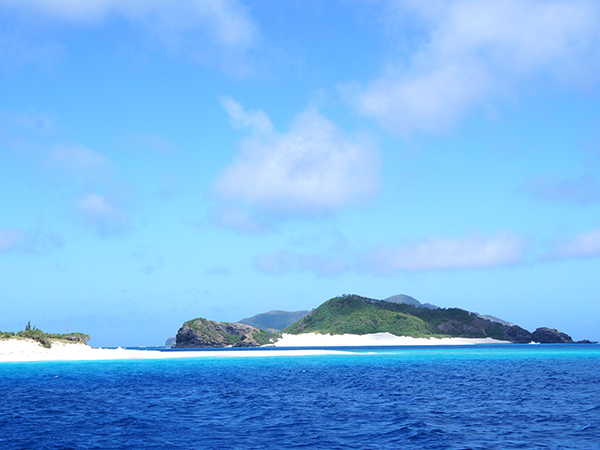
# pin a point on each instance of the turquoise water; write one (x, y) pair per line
(476, 397)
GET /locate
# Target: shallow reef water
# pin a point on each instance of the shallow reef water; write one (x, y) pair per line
(470, 397)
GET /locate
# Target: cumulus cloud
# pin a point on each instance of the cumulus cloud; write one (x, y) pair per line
(581, 191)
(313, 168)
(470, 54)
(199, 28)
(102, 214)
(585, 245)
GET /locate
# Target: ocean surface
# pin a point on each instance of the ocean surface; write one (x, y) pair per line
(471, 397)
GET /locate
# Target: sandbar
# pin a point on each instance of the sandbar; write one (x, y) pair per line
(21, 350)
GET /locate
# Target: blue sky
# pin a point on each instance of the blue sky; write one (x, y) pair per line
(162, 161)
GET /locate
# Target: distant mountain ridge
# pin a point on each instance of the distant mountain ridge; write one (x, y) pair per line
(274, 320)
(408, 300)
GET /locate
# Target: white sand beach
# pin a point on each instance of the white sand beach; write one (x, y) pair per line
(20, 350)
(375, 339)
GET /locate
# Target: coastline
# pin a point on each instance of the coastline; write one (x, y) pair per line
(17, 350)
(24, 350)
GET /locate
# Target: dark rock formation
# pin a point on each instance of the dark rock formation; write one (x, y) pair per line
(545, 335)
(518, 335)
(203, 333)
(170, 342)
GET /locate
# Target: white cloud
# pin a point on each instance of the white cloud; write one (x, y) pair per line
(103, 215)
(433, 254)
(473, 53)
(203, 29)
(313, 168)
(257, 121)
(585, 245)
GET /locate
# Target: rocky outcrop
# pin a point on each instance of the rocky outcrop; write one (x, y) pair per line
(204, 333)
(545, 335)
(518, 335)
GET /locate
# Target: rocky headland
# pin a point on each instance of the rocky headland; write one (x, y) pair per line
(204, 333)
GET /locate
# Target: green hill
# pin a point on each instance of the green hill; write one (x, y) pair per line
(353, 314)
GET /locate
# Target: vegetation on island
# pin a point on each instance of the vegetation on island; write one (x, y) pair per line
(353, 314)
(43, 338)
(400, 315)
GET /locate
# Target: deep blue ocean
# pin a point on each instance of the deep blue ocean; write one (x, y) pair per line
(473, 397)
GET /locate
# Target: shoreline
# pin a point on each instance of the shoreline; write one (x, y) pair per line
(25, 350)
(372, 340)
(13, 350)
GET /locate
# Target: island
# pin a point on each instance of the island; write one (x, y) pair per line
(400, 315)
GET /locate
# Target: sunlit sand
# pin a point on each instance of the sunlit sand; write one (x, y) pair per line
(14, 350)
(376, 339)
(20, 350)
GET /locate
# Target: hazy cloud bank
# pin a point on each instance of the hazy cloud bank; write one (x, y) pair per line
(468, 55)
(205, 30)
(584, 245)
(431, 254)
